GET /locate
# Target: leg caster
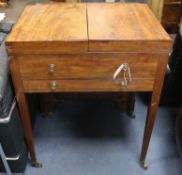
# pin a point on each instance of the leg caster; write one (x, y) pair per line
(143, 165)
(132, 114)
(37, 165)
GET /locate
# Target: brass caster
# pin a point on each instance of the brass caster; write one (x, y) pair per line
(143, 165)
(37, 165)
(132, 115)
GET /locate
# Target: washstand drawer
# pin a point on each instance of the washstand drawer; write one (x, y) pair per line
(86, 66)
(87, 85)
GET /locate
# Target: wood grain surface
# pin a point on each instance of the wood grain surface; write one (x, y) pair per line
(101, 27)
(153, 106)
(87, 66)
(117, 27)
(102, 85)
(51, 25)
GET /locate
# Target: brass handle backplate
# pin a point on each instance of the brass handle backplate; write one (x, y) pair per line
(53, 85)
(52, 68)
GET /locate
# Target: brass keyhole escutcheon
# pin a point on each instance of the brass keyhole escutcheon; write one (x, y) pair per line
(52, 68)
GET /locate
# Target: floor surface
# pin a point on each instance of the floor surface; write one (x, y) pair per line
(96, 139)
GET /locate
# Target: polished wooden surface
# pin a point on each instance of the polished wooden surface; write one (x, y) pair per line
(86, 43)
(80, 66)
(102, 85)
(123, 22)
(116, 27)
(106, 32)
(59, 26)
(153, 106)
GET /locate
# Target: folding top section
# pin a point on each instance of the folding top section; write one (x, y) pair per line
(92, 27)
(57, 27)
(125, 27)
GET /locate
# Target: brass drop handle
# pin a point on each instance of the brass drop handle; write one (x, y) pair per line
(53, 85)
(52, 68)
(124, 82)
(125, 69)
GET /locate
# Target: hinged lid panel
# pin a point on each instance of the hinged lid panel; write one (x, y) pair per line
(50, 27)
(94, 27)
(125, 27)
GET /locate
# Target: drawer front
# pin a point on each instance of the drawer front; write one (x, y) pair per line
(86, 66)
(136, 85)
